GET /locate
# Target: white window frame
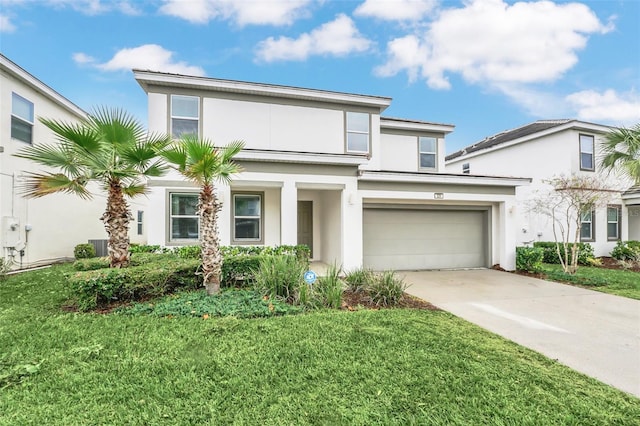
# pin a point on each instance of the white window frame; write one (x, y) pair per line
(180, 117)
(24, 120)
(139, 219)
(434, 153)
(260, 217)
(591, 223)
(172, 216)
(357, 132)
(618, 222)
(592, 153)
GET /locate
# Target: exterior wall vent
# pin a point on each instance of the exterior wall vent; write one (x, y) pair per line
(100, 246)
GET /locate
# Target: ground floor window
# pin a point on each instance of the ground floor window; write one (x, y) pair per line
(184, 223)
(139, 221)
(247, 218)
(587, 227)
(614, 214)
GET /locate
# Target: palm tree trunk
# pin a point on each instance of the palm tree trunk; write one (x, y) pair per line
(116, 220)
(208, 209)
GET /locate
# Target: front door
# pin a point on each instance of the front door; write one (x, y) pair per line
(305, 224)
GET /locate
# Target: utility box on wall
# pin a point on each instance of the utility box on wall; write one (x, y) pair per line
(10, 231)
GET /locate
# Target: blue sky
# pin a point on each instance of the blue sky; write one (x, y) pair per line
(482, 65)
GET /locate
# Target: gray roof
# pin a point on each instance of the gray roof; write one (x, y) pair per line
(509, 135)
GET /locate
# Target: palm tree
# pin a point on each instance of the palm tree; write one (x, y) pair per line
(109, 147)
(621, 151)
(203, 163)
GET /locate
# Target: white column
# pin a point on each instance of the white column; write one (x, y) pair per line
(507, 241)
(223, 193)
(289, 213)
(351, 228)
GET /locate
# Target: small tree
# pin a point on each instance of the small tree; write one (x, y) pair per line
(568, 199)
(204, 164)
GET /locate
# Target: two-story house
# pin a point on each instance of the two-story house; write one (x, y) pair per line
(42, 230)
(325, 169)
(542, 150)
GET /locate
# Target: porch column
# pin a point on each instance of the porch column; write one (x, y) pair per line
(351, 225)
(289, 214)
(507, 226)
(223, 192)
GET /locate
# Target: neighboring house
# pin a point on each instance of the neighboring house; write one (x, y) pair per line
(325, 169)
(542, 150)
(42, 230)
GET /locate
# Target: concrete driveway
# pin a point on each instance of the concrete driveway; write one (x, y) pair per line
(595, 333)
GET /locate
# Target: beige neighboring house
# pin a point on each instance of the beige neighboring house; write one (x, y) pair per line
(548, 148)
(44, 230)
(326, 169)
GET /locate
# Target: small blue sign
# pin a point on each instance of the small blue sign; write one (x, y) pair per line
(310, 277)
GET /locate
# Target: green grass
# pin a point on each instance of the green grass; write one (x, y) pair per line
(329, 367)
(613, 281)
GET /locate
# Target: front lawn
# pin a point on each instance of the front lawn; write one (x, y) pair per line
(614, 281)
(395, 366)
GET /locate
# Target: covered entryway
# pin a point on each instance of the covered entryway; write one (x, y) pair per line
(414, 239)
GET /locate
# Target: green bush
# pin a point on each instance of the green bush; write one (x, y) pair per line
(585, 252)
(145, 248)
(328, 289)
(239, 270)
(279, 276)
(386, 289)
(93, 289)
(529, 259)
(626, 250)
(188, 252)
(358, 279)
(91, 264)
(84, 251)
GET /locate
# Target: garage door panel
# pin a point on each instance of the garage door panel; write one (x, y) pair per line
(423, 239)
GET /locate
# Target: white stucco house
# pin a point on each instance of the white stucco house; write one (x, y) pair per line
(325, 169)
(542, 150)
(43, 230)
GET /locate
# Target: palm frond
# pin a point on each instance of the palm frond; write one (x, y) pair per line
(135, 189)
(78, 134)
(63, 157)
(37, 185)
(620, 150)
(116, 127)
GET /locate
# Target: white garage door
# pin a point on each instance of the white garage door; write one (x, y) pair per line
(424, 239)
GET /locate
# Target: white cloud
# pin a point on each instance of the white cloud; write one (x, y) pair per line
(398, 10)
(339, 37)
(147, 57)
(6, 26)
(96, 7)
(83, 59)
(490, 41)
(608, 106)
(279, 12)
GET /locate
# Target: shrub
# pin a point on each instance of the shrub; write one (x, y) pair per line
(585, 252)
(5, 266)
(91, 264)
(279, 276)
(145, 248)
(188, 252)
(529, 259)
(327, 291)
(239, 271)
(98, 288)
(626, 250)
(358, 279)
(84, 251)
(386, 289)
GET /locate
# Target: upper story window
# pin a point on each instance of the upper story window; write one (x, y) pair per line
(587, 150)
(21, 119)
(428, 151)
(357, 132)
(587, 225)
(614, 224)
(185, 115)
(184, 223)
(247, 218)
(466, 168)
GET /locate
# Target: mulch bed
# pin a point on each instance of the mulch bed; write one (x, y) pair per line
(353, 301)
(611, 263)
